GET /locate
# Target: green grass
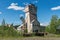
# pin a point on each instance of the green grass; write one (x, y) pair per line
(54, 36)
(29, 38)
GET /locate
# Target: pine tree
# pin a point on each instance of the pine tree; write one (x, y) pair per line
(3, 22)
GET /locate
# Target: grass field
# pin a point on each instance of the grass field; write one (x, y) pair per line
(29, 38)
(47, 37)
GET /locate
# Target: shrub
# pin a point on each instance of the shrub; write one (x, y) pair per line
(8, 31)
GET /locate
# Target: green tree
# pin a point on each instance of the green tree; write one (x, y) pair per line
(47, 29)
(8, 31)
(58, 23)
(53, 24)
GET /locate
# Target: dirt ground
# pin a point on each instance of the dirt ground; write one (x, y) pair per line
(32, 38)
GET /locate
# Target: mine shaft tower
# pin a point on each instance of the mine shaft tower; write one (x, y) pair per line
(31, 21)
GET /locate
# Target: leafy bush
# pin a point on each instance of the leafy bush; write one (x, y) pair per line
(8, 31)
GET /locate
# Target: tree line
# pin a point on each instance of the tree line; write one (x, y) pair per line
(7, 31)
(53, 25)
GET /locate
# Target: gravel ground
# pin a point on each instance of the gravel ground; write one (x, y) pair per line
(32, 38)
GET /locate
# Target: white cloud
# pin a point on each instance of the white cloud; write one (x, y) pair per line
(56, 8)
(21, 15)
(26, 3)
(15, 6)
(35, 1)
(44, 24)
(0, 12)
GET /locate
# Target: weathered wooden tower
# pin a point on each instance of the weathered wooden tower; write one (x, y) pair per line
(31, 21)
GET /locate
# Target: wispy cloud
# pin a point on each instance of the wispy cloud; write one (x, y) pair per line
(0, 12)
(56, 8)
(44, 24)
(36, 1)
(21, 15)
(25, 3)
(15, 6)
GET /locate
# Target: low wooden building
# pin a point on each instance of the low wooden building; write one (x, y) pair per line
(42, 28)
(58, 30)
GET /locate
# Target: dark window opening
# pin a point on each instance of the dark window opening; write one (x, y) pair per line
(35, 30)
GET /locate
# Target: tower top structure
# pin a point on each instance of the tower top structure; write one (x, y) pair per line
(31, 8)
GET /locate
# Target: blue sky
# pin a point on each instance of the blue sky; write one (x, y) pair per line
(45, 9)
